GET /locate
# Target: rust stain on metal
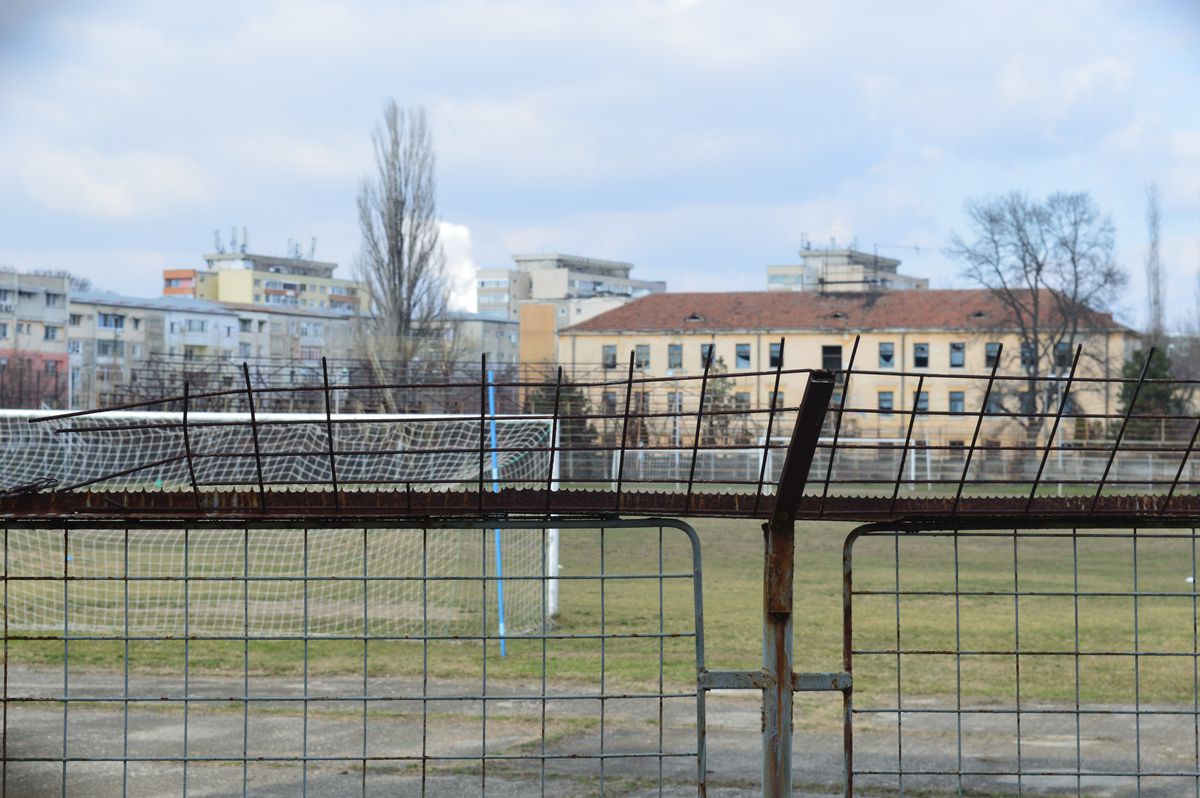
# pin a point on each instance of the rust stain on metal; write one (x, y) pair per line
(535, 502)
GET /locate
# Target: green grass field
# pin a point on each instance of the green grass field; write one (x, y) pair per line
(732, 567)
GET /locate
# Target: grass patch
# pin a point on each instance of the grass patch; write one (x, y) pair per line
(732, 578)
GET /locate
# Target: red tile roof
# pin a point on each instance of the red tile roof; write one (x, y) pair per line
(971, 309)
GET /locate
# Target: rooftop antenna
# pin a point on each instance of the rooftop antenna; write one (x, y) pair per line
(220, 248)
(233, 239)
(312, 248)
(243, 240)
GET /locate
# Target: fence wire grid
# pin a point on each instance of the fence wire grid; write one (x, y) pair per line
(1047, 662)
(243, 687)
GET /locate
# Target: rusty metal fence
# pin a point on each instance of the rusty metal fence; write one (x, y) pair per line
(1019, 615)
(1056, 661)
(243, 683)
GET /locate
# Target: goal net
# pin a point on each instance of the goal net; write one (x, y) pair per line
(276, 581)
(126, 449)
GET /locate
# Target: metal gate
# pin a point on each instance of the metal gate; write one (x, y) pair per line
(1052, 661)
(136, 664)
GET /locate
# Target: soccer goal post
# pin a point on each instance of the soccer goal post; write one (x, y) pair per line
(145, 450)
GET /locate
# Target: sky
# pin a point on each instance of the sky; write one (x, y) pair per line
(701, 141)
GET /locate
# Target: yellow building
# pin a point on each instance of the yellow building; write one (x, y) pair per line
(267, 280)
(949, 336)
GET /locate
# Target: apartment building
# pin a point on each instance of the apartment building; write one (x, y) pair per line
(942, 333)
(293, 333)
(33, 342)
(841, 271)
(267, 280)
(479, 333)
(567, 280)
(112, 337)
(546, 293)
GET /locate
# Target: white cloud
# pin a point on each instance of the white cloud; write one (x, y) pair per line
(342, 158)
(460, 265)
(92, 183)
(1052, 91)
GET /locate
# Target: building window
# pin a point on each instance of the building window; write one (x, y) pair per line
(831, 358)
(995, 404)
(51, 367)
(50, 333)
(610, 402)
(706, 354)
(776, 398)
(675, 356)
(991, 353)
(112, 321)
(110, 348)
(958, 355)
(776, 357)
(957, 403)
(75, 319)
(920, 356)
(741, 400)
(73, 346)
(54, 300)
(136, 350)
(3, 329)
(609, 356)
(1062, 355)
(244, 325)
(887, 403)
(1027, 355)
(887, 355)
(922, 401)
(641, 356)
(742, 356)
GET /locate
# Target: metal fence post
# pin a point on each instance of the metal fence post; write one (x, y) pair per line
(778, 567)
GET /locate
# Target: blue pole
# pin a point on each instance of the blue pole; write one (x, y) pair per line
(496, 489)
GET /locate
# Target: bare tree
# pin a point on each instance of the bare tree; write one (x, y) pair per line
(1050, 264)
(401, 261)
(1155, 323)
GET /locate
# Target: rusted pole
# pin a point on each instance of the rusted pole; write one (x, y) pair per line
(778, 569)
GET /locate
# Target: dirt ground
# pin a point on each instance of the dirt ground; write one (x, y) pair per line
(453, 728)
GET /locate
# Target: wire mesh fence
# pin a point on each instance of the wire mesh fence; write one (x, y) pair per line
(274, 599)
(931, 442)
(1047, 662)
(135, 664)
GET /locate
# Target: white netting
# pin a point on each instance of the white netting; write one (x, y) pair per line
(254, 581)
(385, 450)
(239, 580)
